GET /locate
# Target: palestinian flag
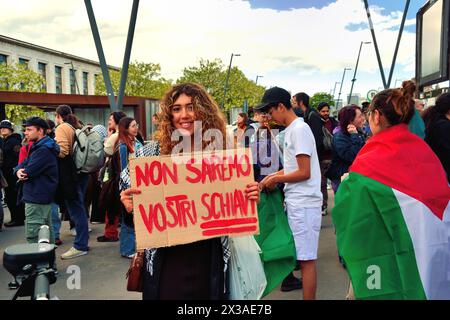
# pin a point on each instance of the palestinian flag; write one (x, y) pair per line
(275, 239)
(392, 219)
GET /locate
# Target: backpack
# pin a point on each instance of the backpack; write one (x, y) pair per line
(327, 139)
(88, 154)
(327, 136)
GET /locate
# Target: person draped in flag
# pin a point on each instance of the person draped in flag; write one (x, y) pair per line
(392, 212)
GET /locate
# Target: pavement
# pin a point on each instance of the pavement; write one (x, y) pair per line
(102, 271)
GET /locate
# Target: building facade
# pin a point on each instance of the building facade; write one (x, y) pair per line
(63, 72)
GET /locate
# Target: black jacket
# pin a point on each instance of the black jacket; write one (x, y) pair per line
(438, 138)
(68, 179)
(314, 120)
(345, 148)
(11, 148)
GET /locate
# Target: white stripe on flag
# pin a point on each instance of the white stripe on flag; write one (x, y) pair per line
(430, 237)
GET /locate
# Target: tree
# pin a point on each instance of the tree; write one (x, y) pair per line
(144, 80)
(17, 77)
(211, 74)
(321, 97)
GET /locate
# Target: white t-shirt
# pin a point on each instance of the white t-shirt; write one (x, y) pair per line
(299, 139)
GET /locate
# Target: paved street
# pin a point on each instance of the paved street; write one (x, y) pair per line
(103, 270)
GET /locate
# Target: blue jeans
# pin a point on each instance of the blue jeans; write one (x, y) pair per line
(56, 221)
(127, 239)
(78, 214)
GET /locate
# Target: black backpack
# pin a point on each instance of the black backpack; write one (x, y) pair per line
(327, 136)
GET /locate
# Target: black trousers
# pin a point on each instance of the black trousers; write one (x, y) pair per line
(17, 211)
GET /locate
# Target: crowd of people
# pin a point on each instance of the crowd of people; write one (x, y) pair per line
(298, 149)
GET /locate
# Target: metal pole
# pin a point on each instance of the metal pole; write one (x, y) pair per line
(101, 56)
(372, 31)
(342, 82)
(405, 12)
(227, 79)
(334, 90)
(356, 69)
(126, 58)
(75, 76)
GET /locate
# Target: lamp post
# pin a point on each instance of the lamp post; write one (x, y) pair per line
(334, 90)
(257, 77)
(228, 78)
(74, 75)
(340, 90)
(356, 69)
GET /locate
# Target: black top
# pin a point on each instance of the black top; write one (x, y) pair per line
(11, 148)
(313, 119)
(438, 138)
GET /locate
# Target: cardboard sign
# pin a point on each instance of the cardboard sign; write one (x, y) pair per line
(192, 197)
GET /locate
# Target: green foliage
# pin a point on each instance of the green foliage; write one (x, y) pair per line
(321, 97)
(212, 76)
(17, 77)
(144, 80)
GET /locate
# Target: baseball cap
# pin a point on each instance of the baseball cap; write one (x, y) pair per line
(36, 121)
(6, 124)
(272, 97)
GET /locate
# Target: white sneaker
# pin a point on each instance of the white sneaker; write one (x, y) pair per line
(73, 253)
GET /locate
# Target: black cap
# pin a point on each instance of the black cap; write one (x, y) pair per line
(36, 121)
(6, 124)
(274, 96)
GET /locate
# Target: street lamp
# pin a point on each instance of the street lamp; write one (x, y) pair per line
(356, 69)
(228, 78)
(257, 77)
(74, 75)
(334, 90)
(340, 90)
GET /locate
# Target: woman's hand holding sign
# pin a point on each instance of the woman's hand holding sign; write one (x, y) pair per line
(252, 191)
(126, 197)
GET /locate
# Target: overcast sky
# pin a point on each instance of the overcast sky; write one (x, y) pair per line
(301, 45)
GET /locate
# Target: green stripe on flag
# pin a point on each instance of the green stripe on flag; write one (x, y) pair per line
(373, 239)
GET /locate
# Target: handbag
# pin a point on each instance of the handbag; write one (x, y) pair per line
(135, 274)
(247, 278)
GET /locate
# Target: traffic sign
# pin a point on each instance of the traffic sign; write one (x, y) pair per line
(371, 94)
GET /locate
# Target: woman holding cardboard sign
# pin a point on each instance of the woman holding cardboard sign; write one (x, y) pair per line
(195, 270)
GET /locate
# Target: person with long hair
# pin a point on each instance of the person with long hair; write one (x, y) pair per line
(111, 233)
(392, 213)
(348, 139)
(125, 147)
(196, 270)
(72, 186)
(437, 130)
(243, 132)
(113, 131)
